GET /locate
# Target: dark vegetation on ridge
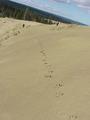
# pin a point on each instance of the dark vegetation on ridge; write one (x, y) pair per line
(23, 13)
(19, 11)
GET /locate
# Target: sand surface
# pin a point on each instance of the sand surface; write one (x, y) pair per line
(44, 71)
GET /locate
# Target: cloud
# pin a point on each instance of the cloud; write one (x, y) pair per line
(85, 4)
(65, 1)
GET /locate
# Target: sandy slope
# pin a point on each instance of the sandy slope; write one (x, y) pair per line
(44, 71)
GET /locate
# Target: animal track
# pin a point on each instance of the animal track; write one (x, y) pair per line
(67, 116)
(59, 87)
(73, 117)
(16, 33)
(48, 76)
(9, 34)
(43, 53)
(59, 93)
(50, 71)
(60, 84)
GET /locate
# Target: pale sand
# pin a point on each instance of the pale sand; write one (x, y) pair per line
(44, 71)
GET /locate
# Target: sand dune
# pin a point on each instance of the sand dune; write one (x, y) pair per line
(44, 71)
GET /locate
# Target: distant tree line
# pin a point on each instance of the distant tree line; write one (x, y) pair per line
(24, 13)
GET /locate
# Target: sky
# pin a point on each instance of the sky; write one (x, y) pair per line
(77, 10)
